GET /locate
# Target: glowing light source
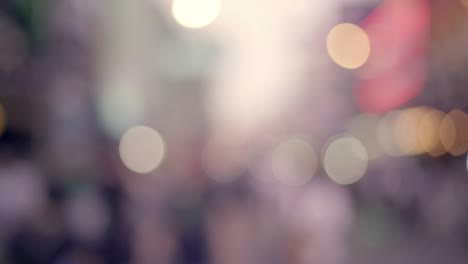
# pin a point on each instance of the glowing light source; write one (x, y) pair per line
(447, 132)
(195, 13)
(141, 149)
(348, 45)
(429, 133)
(345, 160)
(406, 130)
(294, 161)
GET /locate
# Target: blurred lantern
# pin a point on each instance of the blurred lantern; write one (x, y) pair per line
(396, 70)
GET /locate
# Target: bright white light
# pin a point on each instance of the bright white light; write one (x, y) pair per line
(142, 149)
(196, 13)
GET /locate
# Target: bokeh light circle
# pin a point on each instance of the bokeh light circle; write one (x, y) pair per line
(406, 130)
(448, 132)
(195, 13)
(348, 45)
(345, 160)
(294, 161)
(429, 133)
(459, 120)
(142, 149)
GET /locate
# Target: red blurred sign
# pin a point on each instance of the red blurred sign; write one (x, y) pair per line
(396, 71)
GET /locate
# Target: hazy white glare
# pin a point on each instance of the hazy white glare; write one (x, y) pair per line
(345, 160)
(265, 65)
(196, 13)
(142, 149)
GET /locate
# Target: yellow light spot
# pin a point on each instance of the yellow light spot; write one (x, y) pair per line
(364, 127)
(406, 130)
(196, 13)
(294, 161)
(348, 45)
(345, 160)
(459, 120)
(141, 149)
(447, 132)
(429, 133)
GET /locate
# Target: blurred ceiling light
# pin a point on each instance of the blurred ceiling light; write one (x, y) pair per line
(458, 121)
(196, 13)
(294, 161)
(348, 45)
(119, 107)
(406, 130)
(429, 132)
(364, 127)
(142, 149)
(345, 160)
(386, 135)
